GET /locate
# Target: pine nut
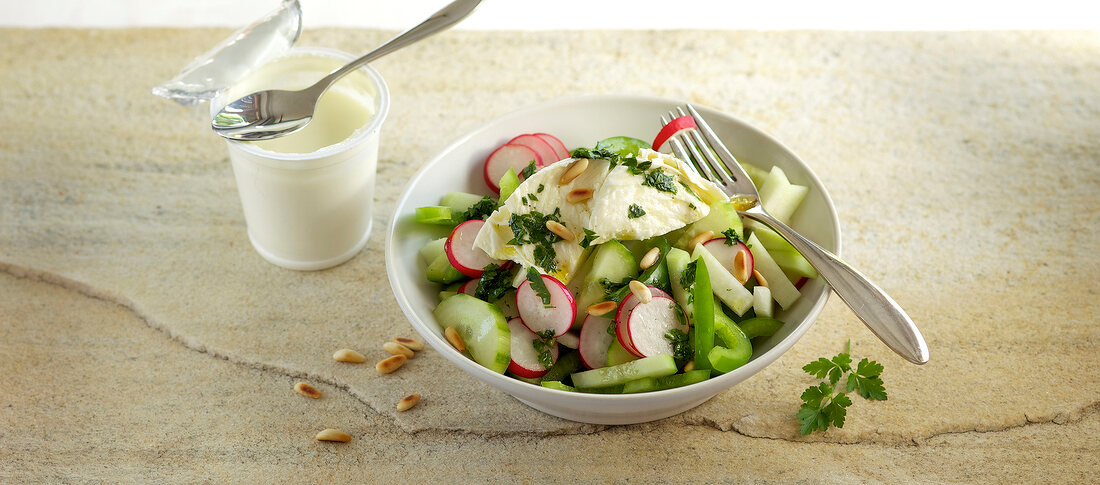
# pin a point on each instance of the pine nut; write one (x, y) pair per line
(412, 344)
(649, 258)
(348, 355)
(562, 232)
(408, 402)
(741, 270)
(575, 170)
(602, 308)
(398, 349)
(333, 435)
(759, 278)
(641, 291)
(390, 364)
(455, 339)
(690, 366)
(307, 390)
(700, 238)
(577, 196)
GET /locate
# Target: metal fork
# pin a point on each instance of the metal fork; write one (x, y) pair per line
(872, 305)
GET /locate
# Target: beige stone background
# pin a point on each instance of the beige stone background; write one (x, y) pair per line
(143, 340)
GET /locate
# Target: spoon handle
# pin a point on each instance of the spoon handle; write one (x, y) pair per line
(441, 20)
(872, 305)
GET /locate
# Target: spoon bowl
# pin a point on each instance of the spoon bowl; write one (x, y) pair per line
(275, 113)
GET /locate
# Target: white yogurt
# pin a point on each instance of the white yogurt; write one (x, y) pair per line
(307, 197)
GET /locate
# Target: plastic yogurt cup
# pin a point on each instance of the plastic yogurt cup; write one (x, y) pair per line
(308, 196)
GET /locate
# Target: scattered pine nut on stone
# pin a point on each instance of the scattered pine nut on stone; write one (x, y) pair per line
(390, 364)
(408, 402)
(455, 339)
(398, 349)
(412, 344)
(333, 435)
(641, 291)
(348, 355)
(601, 308)
(650, 258)
(307, 390)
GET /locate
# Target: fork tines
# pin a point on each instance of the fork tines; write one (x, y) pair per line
(702, 148)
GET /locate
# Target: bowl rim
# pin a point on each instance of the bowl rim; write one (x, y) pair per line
(514, 386)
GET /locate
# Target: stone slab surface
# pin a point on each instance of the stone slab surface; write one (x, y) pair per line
(142, 339)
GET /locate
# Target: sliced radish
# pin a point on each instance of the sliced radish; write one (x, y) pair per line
(673, 128)
(556, 317)
(650, 322)
(524, 357)
(801, 281)
(469, 287)
(623, 314)
(545, 152)
(468, 259)
(594, 341)
(555, 143)
(736, 258)
(569, 339)
(516, 157)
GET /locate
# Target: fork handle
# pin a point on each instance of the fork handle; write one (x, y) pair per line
(872, 305)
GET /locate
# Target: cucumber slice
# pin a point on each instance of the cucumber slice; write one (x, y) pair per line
(792, 263)
(617, 354)
(558, 385)
(723, 284)
(624, 146)
(722, 217)
(756, 174)
(459, 202)
(530, 380)
(443, 295)
(760, 327)
(611, 261)
(432, 250)
(441, 271)
(508, 184)
(677, 260)
(645, 384)
(655, 366)
(482, 327)
(783, 291)
(434, 214)
(779, 196)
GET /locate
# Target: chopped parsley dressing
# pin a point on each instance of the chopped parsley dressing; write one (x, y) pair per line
(528, 170)
(661, 181)
(635, 211)
(731, 236)
(542, 345)
(589, 236)
(687, 281)
(530, 228)
(681, 344)
(480, 210)
(539, 286)
(493, 283)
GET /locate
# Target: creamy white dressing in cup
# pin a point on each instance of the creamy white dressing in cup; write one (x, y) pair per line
(308, 196)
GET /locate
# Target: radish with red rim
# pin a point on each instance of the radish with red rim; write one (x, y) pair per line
(649, 323)
(623, 313)
(546, 153)
(545, 305)
(555, 143)
(526, 348)
(595, 339)
(736, 257)
(468, 259)
(673, 128)
(516, 157)
(469, 287)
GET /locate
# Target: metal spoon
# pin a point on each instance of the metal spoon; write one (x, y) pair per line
(275, 113)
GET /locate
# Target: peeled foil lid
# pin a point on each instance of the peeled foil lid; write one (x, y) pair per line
(236, 56)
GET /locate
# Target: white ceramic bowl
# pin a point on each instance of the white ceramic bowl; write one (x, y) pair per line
(581, 122)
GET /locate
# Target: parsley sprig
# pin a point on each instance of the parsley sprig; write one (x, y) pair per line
(825, 404)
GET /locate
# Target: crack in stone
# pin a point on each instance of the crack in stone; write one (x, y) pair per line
(583, 429)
